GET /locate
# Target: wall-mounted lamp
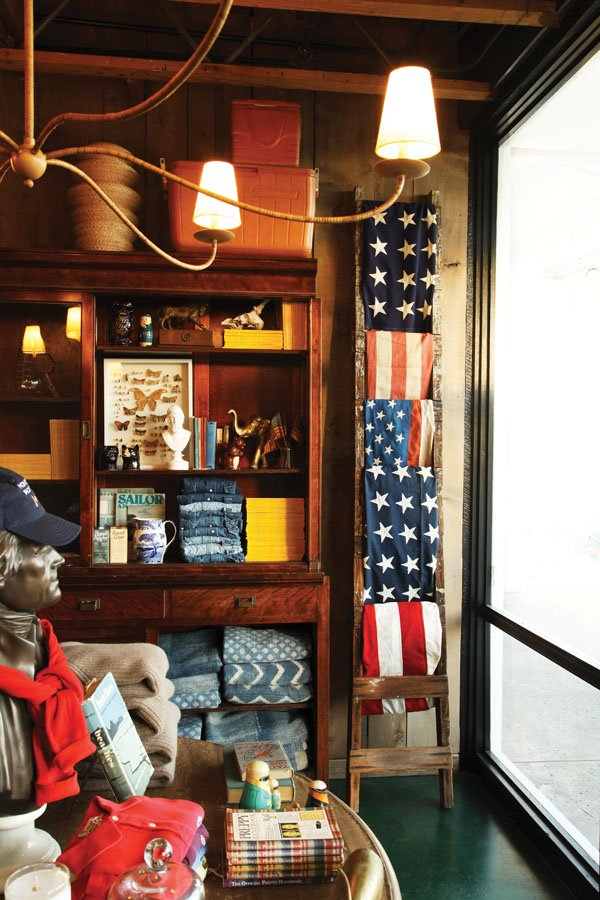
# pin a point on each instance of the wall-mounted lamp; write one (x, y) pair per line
(33, 371)
(407, 135)
(73, 328)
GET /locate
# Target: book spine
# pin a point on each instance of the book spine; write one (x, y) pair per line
(113, 768)
(195, 439)
(211, 444)
(249, 882)
(203, 442)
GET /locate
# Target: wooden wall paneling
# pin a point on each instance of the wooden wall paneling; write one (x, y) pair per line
(340, 123)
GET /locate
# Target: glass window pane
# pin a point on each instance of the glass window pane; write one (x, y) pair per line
(546, 492)
(545, 727)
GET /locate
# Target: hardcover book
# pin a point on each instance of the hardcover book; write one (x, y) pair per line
(123, 756)
(271, 752)
(234, 785)
(303, 828)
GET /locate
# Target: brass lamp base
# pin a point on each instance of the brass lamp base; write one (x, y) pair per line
(410, 168)
(208, 235)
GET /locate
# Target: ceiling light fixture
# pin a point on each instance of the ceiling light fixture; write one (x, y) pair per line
(407, 134)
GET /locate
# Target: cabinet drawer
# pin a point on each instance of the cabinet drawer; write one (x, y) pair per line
(89, 605)
(246, 603)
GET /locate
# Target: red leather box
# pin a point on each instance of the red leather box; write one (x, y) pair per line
(265, 131)
(283, 188)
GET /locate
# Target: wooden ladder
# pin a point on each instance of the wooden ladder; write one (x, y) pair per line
(395, 760)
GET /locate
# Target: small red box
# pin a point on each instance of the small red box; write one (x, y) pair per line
(282, 188)
(265, 131)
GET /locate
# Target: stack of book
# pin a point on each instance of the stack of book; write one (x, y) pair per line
(252, 339)
(275, 529)
(295, 847)
(204, 442)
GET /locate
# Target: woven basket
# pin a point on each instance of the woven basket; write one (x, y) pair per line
(95, 225)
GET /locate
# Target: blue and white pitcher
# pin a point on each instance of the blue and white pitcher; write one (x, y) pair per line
(150, 539)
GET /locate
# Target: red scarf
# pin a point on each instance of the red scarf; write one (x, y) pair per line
(59, 735)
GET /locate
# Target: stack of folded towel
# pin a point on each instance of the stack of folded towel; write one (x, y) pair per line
(140, 672)
(211, 520)
(266, 665)
(194, 665)
(286, 726)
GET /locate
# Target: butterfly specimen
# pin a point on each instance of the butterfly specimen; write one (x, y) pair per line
(152, 381)
(139, 380)
(138, 432)
(140, 420)
(150, 399)
(152, 374)
(150, 452)
(167, 400)
(155, 418)
(177, 378)
(150, 443)
(129, 412)
(121, 426)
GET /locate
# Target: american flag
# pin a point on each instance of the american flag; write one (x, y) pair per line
(402, 533)
(399, 432)
(400, 639)
(399, 365)
(399, 267)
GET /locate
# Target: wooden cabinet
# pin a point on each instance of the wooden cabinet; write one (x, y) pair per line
(136, 601)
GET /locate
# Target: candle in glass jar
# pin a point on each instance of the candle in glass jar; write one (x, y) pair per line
(39, 881)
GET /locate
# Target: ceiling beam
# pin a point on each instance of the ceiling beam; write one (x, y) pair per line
(252, 76)
(538, 13)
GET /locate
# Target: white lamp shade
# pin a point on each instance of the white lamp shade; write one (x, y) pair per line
(408, 127)
(33, 341)
(218, 177)
(73, 329)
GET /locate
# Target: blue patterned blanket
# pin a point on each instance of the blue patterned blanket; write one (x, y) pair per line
(242, 644)
(266, 693)
(284, 671)
(190, 726)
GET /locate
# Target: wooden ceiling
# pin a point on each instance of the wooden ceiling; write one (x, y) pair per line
(321, 45)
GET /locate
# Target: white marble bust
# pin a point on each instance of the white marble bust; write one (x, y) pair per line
(176, 437)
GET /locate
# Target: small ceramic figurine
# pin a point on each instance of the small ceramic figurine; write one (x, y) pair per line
(275, 795)
(255, 427)
(121, 323)
(235, 451)
(249, 320)
(131, 456)
(317, 795)
(146, 332)
(107, 456)
(257, 786)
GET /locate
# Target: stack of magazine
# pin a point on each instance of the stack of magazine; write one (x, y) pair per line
(296, 847)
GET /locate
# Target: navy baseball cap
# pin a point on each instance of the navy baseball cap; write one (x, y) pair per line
(22, 513)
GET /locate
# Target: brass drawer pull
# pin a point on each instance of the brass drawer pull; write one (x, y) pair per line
(88, 604)
(244, 602)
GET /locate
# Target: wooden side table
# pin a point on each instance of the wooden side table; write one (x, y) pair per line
(199, 777)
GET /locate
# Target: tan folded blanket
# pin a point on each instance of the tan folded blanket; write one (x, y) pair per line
(160, 746)
(152, 710)
(139, 669)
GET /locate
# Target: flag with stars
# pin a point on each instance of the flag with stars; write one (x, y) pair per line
(399, 267)
(399, 365)
(401, 533)
(399, 432)
(400, 639)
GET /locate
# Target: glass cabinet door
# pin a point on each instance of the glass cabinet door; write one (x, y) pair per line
(41, 397)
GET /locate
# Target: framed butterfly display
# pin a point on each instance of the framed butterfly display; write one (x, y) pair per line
(137, 395)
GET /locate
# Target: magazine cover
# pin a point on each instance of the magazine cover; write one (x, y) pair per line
(303, 825)
(271, 752)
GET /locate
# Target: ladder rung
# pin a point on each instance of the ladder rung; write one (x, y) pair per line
(395, 759)
(394, 686)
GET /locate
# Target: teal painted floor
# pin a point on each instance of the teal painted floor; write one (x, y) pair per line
(472, 852)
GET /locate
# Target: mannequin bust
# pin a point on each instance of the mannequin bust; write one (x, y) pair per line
(176, 437)
(28, 584)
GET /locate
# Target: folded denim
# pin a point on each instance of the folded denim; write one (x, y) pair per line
(196, 699)
(261, 725)
(195, 483)
(207, 681)
(192, 652)
(224, 519)
(201, 529)
(242, 644)
(210, 496)
(191, 555)
(191, 726)
(265, 693)
(284, 671)
(209, 545)
(231, 505)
